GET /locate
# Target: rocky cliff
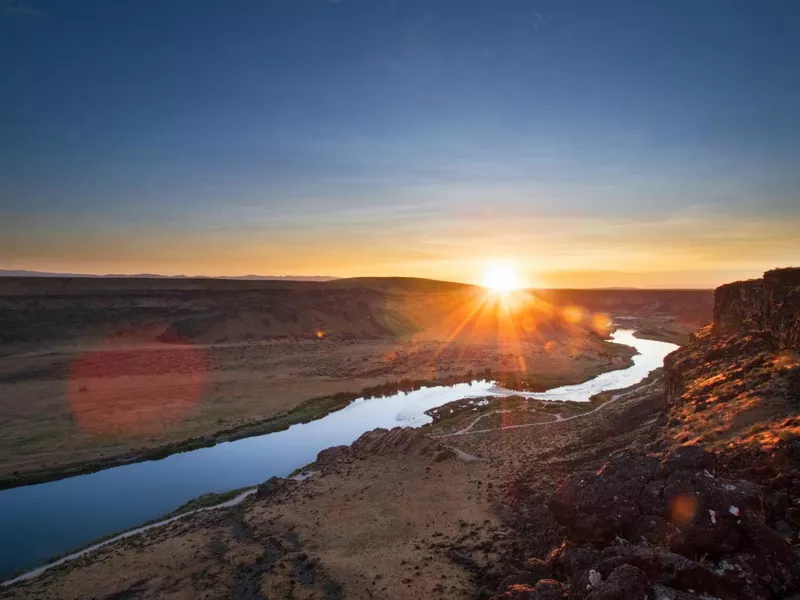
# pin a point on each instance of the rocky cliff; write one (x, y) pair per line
(770, 306)
(736, 384)
(709, 507)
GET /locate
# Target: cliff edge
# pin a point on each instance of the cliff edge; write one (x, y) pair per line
(736, 386)
(709, 507)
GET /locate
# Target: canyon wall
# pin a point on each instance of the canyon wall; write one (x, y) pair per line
(770, 306)
(736, 386)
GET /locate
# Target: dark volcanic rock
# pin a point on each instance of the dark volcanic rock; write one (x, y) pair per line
(385, 442)
(573, 563)
(693, 458)
(274, 487)
(664, 567)
(538, 568)
(676, 502)
(546, 589)
(658, 565)
(669, 522)
(597, 507)
(771, 304)
(445, 454)
(772, 560)
(626, 582)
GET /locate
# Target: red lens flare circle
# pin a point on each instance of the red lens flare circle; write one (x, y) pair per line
(117, 390)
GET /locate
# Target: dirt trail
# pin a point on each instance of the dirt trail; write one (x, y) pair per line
(559, 419)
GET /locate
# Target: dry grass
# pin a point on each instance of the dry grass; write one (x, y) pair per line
(129, 399)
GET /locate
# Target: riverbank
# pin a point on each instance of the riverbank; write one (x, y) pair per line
(434, 508)
(510, 407)
(483, 415)
(175, 375)
(318, 434)
(236, 497)
(202, 503)
(614, 357)
(98, 373)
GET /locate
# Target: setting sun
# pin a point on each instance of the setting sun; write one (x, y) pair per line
(500, 277)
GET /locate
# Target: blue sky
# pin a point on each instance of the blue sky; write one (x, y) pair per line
(642, 141)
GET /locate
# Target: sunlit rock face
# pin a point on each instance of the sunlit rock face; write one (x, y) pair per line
(782, 291)
(737, 383)
(735, 388)
(770, 305)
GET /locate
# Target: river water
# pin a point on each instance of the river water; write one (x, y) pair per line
(651, 356)
(40, 521)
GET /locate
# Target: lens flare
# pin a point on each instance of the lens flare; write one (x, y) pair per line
(118, 389)
(683, 510)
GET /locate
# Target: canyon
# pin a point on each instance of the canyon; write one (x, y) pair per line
(685, 485)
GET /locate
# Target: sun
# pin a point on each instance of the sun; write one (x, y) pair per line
(500, 277)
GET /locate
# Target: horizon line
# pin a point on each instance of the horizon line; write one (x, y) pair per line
(30, 274)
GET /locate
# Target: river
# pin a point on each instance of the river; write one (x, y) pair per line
(40, 521)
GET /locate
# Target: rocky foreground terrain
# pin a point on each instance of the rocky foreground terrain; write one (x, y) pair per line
(686, 487)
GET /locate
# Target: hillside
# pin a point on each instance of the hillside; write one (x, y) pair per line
(23, 273)
(36, 312)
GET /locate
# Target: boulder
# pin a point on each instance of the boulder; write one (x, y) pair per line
(599, 506)
(626, 582)
(691, 458)
(274, 487)
(674, 523)
(534, 571)
(771, 560)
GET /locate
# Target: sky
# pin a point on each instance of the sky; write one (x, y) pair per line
(628, 143)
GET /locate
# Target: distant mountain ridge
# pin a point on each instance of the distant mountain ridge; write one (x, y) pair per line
(251, 277)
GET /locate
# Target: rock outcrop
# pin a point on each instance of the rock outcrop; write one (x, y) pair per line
(710, 507)
(737, 384)
(770, 305)
(398, 441)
